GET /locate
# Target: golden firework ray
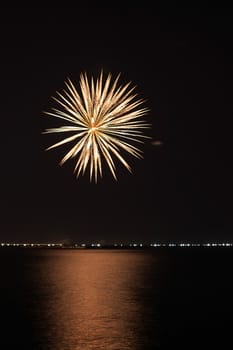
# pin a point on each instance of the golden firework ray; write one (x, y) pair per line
(103, 120)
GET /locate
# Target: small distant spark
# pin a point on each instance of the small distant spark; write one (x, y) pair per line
(157, 143)
(103, 120)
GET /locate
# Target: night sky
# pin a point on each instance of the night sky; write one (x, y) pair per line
(181, 60)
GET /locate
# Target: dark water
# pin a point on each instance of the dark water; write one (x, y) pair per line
(116, 299)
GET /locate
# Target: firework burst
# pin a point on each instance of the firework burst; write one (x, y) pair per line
(103, 120)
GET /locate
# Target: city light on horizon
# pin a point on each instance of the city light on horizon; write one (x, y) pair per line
(115, 245)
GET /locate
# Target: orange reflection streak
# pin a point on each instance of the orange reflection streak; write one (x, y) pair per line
(92, 299)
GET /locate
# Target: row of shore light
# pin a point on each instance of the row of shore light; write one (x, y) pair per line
(121, 245)
(33, 245)
(135, 245)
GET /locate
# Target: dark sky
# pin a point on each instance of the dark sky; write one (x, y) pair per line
(181, 59)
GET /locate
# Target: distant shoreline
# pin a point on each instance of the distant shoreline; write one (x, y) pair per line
(98, 246)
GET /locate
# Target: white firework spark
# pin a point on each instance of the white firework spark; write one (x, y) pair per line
(103, 120)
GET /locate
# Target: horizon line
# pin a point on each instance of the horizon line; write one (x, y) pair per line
(115, 245)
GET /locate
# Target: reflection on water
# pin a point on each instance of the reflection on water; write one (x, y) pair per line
(91, 299)
(115, 300)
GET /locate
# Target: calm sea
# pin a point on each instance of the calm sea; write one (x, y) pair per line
(65, 299)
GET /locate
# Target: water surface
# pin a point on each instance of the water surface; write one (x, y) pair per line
(67, 299)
